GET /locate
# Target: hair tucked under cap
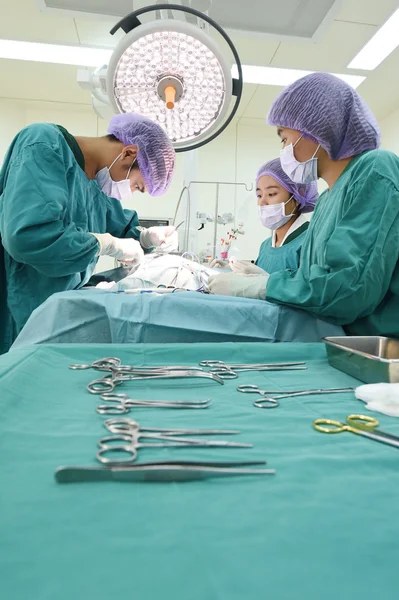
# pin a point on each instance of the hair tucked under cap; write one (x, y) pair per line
(156, 156)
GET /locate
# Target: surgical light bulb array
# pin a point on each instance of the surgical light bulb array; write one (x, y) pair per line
(184, 59)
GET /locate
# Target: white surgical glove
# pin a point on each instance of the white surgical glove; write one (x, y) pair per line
(153, 237)
(245, 268)
(242, 286)
(126, 250)
(218, 263)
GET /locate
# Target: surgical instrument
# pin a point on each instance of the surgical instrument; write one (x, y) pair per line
(219, 367)
(126, 425)
(120, 404)
(359, 424)
(163, 472)
(109, 382)
(130, 444)
(270, 397)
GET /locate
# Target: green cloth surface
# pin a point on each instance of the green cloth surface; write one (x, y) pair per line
(325, 526)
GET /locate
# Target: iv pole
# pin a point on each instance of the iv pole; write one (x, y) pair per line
(218, 184)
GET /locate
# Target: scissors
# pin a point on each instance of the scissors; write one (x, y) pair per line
(109, 382)
(120, 404)
(359, 424)
(128, 443)
(270, 398)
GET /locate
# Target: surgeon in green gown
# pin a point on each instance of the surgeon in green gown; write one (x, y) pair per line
(282, 208)
(349, 265)
(60, 209)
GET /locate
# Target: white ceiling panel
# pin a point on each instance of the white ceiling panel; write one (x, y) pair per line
(22, 20)
(40, 81)
(333, 52)
(298, 18)
(97, 32)
(261, 101)
(373, 12)
(381, 88)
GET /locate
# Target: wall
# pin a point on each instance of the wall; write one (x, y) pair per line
(390, 132)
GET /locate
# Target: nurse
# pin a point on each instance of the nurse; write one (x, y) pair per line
(349, 268)
(60, 209)
(282, 205)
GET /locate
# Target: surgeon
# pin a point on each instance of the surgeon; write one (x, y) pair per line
(282, 205)
(60, 209)
(349, 266)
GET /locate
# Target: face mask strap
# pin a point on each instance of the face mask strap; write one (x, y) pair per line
(130, 169)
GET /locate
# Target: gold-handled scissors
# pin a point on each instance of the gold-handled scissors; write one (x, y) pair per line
(359, 424)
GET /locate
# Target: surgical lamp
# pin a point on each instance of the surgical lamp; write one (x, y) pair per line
(172, 72)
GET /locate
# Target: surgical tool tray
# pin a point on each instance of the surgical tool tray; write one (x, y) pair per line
(373, 359)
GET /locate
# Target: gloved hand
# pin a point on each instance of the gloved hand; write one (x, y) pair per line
(126, 250)
(245, 268)
(242, 286)
(218, 263)
(166, 237)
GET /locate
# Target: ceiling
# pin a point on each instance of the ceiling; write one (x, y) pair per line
(332, 50)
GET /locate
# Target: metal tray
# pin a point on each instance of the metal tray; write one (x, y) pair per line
(373, 359)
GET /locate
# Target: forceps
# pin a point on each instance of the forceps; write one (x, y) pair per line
(109, 382)
(121, 404)
(269, 401)
(359, 424)
(164, 472)
(126, 425)
(129, 442)
(229, 370)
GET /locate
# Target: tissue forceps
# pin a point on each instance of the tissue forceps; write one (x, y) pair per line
(128, 443)
(120, 404)
(270, 398)
(109, 382)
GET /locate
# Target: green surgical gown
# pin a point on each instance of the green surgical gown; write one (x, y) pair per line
(47, 207)
(285, 256)
(349, 267)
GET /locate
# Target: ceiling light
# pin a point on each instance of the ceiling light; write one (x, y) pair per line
(174, 73)
(53, 53)
(283, 77)
(379, 47)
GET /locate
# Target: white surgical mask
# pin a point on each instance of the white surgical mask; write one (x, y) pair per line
(120, 190)
(299, 172)
(273, 216)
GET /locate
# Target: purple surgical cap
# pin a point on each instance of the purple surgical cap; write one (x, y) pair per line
(156, 156)
(329, 112)
(305, 194)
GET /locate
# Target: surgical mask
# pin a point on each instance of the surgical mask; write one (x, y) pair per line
(273, 216)
(299, 172)
(120, 190)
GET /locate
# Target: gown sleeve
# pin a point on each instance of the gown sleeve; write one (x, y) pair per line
(34, 215)
(359, 258)
(121, 222)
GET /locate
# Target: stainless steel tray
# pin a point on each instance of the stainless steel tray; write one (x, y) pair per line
(373, 359)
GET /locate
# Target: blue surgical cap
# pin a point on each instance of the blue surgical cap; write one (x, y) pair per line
(305, 194)
(329, 112)
(156, 156)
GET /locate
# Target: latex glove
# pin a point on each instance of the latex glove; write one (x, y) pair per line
(153, 237)
(380, 397)
(242, 286)
(218, 263)
(126, 250)
(245, 268)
